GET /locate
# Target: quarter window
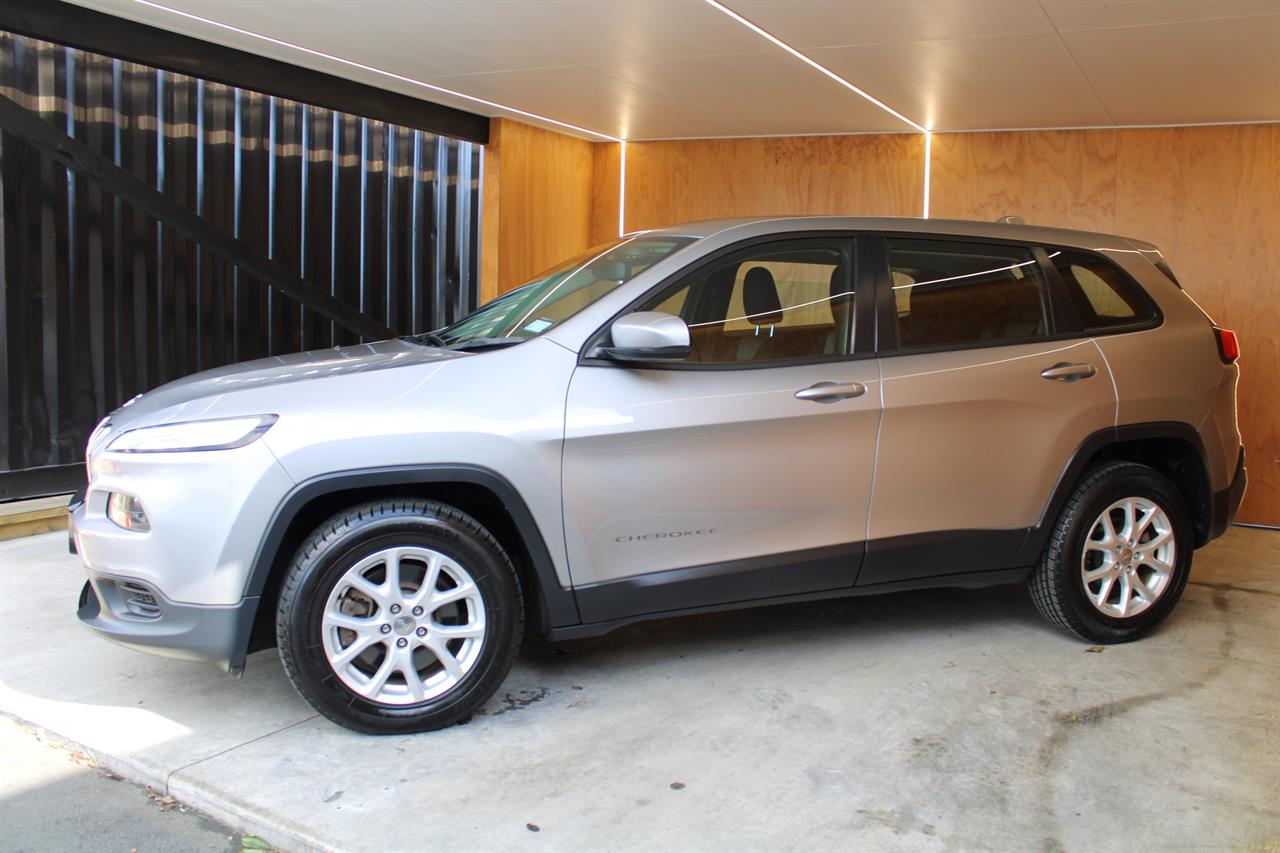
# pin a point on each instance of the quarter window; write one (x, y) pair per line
(956, 293)
(1103, 295)
(777, 302)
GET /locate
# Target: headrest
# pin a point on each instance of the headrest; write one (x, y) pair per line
(612, 271)
(837, 281)
(841, 299)
(760, 297)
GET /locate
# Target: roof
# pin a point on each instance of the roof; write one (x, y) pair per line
(902, 224)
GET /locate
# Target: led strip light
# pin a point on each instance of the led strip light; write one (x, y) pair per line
(379, 71)
(813, 63)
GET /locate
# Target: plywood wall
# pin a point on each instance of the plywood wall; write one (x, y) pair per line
(605, 190)
(537, 203)
(1061, 178)
(687, 180)
(1208, 196)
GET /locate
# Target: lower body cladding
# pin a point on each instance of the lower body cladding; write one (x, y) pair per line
(959, 558)
(136, 615)
(1226, 503)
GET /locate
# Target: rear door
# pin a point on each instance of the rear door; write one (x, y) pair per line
(989, 388)
(743, 472)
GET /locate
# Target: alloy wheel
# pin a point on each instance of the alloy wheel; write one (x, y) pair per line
(403, 625)
(1128, 558)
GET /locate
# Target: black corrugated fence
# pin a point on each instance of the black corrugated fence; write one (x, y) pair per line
(100, 299)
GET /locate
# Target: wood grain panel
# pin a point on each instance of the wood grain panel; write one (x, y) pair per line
(604, 191)
(544, 191)
(688, 180)
(881, 175)
(1209, 197)
(1065, 179)
(684, 181)
(490, 220)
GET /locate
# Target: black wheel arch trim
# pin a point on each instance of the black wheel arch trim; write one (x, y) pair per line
(1038, 536)
(559, 603)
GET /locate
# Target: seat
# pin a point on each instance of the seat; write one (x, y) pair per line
(943, 315)
(1023, 314)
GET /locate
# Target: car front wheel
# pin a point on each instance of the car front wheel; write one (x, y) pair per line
(399, 616)
(1119, 556)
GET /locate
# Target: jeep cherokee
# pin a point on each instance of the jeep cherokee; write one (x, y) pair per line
(717, 415)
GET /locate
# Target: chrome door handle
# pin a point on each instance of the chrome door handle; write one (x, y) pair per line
(831, 392)
(1068, 372)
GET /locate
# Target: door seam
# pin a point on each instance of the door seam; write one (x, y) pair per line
(1115, 392)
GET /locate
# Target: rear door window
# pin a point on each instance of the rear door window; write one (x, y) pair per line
(953, 293)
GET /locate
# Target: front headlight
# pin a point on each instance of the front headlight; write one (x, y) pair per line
(188, 436)
(127, 512)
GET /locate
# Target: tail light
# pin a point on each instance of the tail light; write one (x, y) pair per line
(1228, 345)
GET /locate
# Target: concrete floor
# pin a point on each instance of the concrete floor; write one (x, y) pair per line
(922, 721)
(43, 781)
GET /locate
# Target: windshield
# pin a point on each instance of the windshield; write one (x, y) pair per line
(556, 295)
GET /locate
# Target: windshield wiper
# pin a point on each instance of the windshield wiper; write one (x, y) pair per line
(485, 343)
(429, 338)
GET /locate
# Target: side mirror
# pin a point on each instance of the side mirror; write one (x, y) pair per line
(647, 336)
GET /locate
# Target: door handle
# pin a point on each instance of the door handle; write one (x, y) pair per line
(1068, 372)
(831, 392)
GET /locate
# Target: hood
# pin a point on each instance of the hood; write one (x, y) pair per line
(279, 370)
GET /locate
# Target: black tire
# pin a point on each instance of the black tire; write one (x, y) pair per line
(356, 534)
(1057, 585)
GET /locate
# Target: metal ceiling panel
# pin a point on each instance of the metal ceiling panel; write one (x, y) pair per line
(680, 68)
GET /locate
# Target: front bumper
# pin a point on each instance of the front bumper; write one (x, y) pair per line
(179, 588)
(137, 616)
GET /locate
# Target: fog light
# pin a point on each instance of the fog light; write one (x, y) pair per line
(139, 600)
(127, 512)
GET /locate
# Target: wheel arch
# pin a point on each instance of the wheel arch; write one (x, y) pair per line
(480, 492)
(1173, 448)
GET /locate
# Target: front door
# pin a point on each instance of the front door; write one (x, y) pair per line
(743, 472)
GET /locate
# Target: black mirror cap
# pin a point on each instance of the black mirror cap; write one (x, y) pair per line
(639, 355)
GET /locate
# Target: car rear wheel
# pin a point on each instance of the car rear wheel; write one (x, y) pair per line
(1119, 556)
(399, 616)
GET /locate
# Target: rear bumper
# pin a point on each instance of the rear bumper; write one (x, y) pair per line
(211, 634)
(1226, 503)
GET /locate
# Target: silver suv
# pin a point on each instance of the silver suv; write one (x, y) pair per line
(717, 415)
